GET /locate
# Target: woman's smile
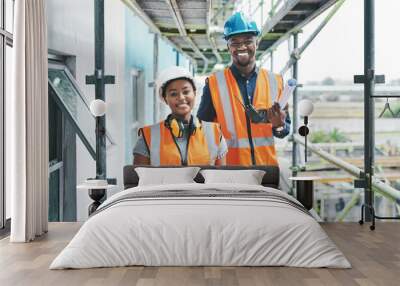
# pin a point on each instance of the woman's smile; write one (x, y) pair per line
(180, 96)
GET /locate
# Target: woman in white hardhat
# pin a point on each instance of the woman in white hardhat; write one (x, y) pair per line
(180, 139)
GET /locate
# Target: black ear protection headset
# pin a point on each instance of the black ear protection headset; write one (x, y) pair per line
(177, 126)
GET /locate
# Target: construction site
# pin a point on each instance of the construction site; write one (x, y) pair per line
(207, 142)
(190, 34)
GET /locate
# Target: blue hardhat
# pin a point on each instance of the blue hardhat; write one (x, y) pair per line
(239, 24)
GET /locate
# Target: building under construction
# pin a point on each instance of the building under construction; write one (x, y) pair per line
(190, 34)
(114, 51)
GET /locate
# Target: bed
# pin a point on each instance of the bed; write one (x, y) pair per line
(201, 224)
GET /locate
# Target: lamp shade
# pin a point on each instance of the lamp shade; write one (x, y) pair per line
(98, 107)
(306, 107)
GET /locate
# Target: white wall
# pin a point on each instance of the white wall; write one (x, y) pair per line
(128, 45)
(71, 31)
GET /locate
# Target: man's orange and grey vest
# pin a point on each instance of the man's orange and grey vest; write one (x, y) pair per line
(201, 150)
(246, 146)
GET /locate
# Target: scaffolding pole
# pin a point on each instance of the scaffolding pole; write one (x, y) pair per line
(272, 61)
(298, 52)
(101, 162)
(369, 86)
(99, 79)
(295, 112)
(156, 103)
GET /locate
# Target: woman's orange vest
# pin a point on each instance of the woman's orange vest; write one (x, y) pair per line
(227, 101)
(202, 148)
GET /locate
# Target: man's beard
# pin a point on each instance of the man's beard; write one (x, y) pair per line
(245, 61)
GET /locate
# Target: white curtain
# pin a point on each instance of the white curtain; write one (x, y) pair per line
(27, 123)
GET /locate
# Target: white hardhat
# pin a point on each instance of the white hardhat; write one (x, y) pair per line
(169, 74)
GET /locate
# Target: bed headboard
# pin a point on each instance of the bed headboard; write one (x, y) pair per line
(270, 179)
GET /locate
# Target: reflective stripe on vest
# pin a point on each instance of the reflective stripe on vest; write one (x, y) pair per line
(210, 131)
(244, 142)
(227, 101)
(202, 149)
(226, 105)
(273, 86)
(155, 150)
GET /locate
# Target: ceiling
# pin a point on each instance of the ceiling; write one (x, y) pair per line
(195, 27)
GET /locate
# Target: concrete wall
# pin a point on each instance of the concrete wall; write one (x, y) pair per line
(71, 31)
(139, 58)
(128, 47)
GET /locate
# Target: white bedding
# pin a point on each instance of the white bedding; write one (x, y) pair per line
(181, 231)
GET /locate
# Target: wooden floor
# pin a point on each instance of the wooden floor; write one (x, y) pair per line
(374, 255)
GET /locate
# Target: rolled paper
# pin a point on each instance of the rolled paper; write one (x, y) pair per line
(287, 92)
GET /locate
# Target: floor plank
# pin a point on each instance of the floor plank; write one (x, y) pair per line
(374, 255)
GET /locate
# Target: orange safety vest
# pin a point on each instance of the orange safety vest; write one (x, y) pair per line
(230, 114)
(202, 149)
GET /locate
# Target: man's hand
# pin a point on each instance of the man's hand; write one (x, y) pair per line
(276, 116)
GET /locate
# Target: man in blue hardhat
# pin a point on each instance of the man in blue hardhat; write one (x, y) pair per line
(241, 98)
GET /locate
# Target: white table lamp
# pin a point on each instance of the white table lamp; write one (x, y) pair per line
(98, 107)
(306, 107)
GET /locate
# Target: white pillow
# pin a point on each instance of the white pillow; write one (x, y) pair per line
(248, 177)
(166, 176)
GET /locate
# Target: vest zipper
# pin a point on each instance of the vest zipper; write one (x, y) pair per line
(187, 149)
(253, 157)
(248, 124)
(183, 161)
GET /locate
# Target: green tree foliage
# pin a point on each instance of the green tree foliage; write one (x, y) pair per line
(328, 81)
(319, 136)
(334, 136)
(337, 136)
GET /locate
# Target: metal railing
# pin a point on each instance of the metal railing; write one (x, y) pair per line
(378, 186)
(55, 166)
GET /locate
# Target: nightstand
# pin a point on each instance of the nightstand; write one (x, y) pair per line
(305, 190)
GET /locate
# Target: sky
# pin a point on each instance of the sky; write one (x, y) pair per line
(338, 52)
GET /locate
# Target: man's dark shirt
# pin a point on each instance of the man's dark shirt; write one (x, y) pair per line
(207, 112)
